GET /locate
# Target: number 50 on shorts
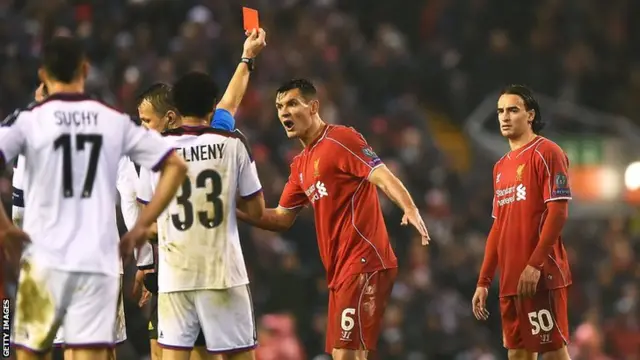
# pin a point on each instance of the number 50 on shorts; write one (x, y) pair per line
(540, 321)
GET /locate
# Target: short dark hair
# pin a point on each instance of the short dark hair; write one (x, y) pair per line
(62, 58)
(530, 103)
(160, 98)
(306, 88)
(195, 94)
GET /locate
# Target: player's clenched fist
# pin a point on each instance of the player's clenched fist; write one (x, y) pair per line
(479, 303)
(256, 41)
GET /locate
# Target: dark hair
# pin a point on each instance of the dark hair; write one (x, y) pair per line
(306, 88)
(62, 58)
(195, 94)
(159, 96)
(530, 103)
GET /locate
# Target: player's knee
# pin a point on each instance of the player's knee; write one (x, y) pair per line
(200, 353)
(175, 354)
(344, 354)
(156, 350)
(560, 354)
(247, 355)
(24, 354)
(521, 354)
(112, 354)
(88, 354)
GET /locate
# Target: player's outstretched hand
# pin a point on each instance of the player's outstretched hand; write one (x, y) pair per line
(413, 217)
(479, 303)
(13, 241)
(134, 238)
(256, 41)
(528, 282)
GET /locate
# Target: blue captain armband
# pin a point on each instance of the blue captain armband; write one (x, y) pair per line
(223, 120)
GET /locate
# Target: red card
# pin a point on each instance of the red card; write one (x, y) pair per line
(250, 18)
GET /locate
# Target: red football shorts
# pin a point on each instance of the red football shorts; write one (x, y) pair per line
(538, 324)
(356, 308)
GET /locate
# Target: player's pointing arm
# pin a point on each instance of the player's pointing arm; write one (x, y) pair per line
(360, 160)
(384, 179)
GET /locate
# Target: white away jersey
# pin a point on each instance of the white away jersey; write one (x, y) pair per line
(126, 185)
(72, 145)
(199, 246)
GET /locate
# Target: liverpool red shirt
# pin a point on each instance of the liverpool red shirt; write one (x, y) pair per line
(331, 173)
(524, 181)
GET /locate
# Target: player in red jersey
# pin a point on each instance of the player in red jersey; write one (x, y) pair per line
(531, 193)
(337, 173)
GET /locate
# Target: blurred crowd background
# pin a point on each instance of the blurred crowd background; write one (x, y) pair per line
(406, 74)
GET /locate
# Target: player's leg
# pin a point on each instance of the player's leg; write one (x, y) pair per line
(511, 334)
(356, 308)
(91, 317)
(199, 351)
(40, 303)
(156, 350)
(178, 324)
(228, 322)
(120, 329)
(57, 353)
(545, 324)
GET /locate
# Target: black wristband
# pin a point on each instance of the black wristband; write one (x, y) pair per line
(249, 62)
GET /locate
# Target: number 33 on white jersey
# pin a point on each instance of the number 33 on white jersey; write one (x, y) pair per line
(199, 246)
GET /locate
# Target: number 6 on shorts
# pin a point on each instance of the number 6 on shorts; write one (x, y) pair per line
(346, 320)
(541, 320)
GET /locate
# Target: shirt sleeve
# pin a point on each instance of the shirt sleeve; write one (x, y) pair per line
(145, 147)
(292, 195)
(144, 257)
(553, 173)
(126, 184)
(248, 182)
(144, 191)
(223, 120)
(12, 140)
(355, 156)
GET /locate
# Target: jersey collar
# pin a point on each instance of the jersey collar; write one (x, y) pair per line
(69, 96)
(525, 147)
(323, 133)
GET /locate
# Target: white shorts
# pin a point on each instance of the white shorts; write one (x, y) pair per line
(120, 328)
(84, 303)
(225, 317)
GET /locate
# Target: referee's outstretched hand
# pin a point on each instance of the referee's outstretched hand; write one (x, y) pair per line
(255, 42)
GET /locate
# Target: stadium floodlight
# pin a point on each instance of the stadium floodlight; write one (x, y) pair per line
(632, 176)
